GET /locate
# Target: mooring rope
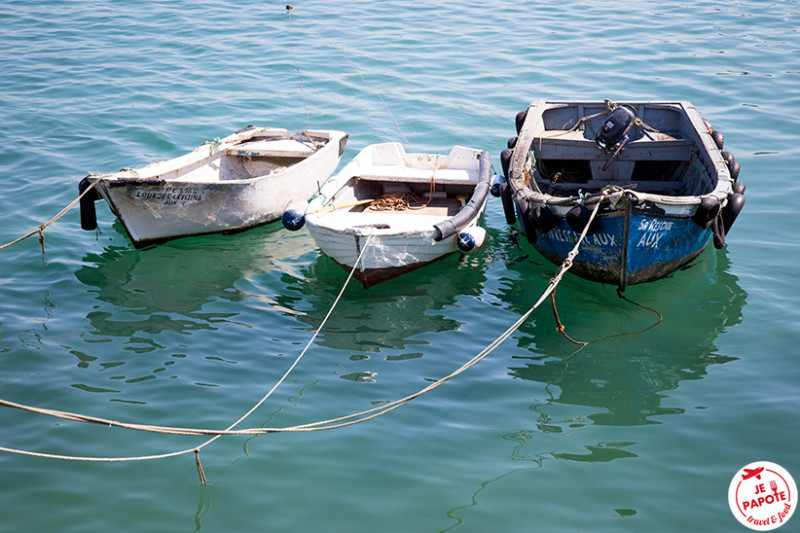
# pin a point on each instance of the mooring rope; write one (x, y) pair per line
(401, 201)
(294, 61)
(40, 229)
(376, 94)
(175, 431)
(562, 329)
(333, 423)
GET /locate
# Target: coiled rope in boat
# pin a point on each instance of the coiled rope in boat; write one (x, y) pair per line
(400, 201)
(394, 201)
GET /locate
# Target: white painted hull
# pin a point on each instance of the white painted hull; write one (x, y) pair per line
(393, 242)
(387, 252)
(220, 187)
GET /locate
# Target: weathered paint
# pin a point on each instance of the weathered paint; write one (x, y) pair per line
(655, 247)
(372, 276)
(193, 195)
(644, 228)
(399, 241)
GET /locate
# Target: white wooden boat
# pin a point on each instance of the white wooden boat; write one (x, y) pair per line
(407, 209)
(241, 181)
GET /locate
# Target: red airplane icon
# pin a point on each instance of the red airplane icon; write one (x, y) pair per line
(750, 472)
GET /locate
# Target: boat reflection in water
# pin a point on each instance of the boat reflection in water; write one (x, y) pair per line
(149, 301)
(146, 296)
(180, 277)
(622, 379)
(388, 316)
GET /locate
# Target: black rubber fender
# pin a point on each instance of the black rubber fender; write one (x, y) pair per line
(706, 212)
(732, 209)
(543, 218)
(496, 185)
(293, 219)
(733, 165)
(471, 210)
(733, 168)
(719, 138)
(512, 142)
(508, 203)
(88, 212)
(739, 187)
(578, 218)
(728, 157)
(719, 233)
(526, 219)
(520, 120)
(505, 161)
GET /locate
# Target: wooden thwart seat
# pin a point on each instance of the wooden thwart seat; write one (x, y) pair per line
(411, 175)
(655, 187)
(272, 148)
(581, 156)
(558, 147)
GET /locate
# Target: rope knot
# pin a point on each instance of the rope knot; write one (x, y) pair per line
(41, 238)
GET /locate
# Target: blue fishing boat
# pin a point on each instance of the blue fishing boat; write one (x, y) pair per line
(665, 186)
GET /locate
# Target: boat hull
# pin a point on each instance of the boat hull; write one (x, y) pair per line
(157, 209)
(656, 169)
(389, 241)
(626, 251)
(157, 212)
(385, 255)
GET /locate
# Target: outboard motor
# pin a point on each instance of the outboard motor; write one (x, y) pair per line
(614, 132)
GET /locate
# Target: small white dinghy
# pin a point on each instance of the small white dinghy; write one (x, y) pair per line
(407, 209)
(241, 181)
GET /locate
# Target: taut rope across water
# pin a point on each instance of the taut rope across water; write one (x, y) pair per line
(334, 423)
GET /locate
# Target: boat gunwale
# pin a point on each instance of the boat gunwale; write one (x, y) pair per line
(110, 186)
(476, 202)
(217, 149)
(724, 183)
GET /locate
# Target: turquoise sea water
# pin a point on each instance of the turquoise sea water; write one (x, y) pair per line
(634, 433)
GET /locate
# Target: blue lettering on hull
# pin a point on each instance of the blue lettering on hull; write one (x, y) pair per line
(651, 242)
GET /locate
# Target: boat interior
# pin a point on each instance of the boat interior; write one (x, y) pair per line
(371, 194)
(658, 155)
(263, 155)
(256, 156)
